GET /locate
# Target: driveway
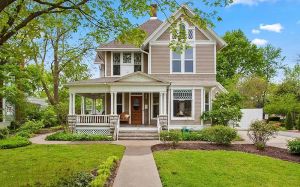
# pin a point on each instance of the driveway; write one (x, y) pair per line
(280, 140)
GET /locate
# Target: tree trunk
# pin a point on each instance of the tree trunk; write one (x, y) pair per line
(56, 69)
(19, 106)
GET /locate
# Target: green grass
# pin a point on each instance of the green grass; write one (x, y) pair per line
(41, 165)
(224, 168)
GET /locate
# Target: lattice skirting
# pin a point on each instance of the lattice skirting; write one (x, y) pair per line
(93, 130)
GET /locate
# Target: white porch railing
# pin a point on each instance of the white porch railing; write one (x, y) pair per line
(91, 120)
(158, 127)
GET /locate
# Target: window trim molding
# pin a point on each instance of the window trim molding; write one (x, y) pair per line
(153, 117)
(192, 118)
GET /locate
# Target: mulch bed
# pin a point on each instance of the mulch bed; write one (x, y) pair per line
(274, 152)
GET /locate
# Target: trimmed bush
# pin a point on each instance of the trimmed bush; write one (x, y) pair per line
(192, 136)
(24, 134)
(31, 126)
(219, 134)
(172, 135)
(104, 171)
(65, 136)
(289, 121)
(3, 133)
(260, 132)
(294, 146)
(49, 117)
(80, 179)
(13, 142)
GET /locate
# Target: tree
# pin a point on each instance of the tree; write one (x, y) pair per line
(289, 121)
(226, 108)
(298, 123)
(252, 90)
(282, 104)
(239, 57)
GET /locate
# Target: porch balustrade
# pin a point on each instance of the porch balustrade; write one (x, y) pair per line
(92, 119)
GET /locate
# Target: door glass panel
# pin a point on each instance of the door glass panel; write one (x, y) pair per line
(136, 104)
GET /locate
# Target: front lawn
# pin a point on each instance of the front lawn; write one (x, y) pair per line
(41, 165)
(224, 168)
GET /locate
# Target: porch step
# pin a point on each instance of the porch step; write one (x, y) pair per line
(138, 134)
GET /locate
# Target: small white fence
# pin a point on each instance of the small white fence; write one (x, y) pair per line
(248, 116)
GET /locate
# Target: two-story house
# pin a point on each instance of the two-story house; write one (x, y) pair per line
(146, 83)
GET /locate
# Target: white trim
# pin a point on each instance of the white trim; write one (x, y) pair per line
(197, 42)
(105, 103)
(149, 60)
(215, 59)
(143, 109)
(118, 49)
(186, 73)
(129, 107)
(105, 65)
(111, 102)
(123, 102)
(169, 107)
(201, 105)
(193, 106)
(149, 104)
(153, 117)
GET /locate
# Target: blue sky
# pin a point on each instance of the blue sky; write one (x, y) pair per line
(275, 22)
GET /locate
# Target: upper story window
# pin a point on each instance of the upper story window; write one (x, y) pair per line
(124, 63)
(116, 63)
(183, 26)
(137, 62)
(183, 63)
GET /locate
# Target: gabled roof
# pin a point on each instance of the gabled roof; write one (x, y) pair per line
(139, 77)
(149, 27)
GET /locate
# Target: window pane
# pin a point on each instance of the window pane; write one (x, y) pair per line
(190, 34)
(155, 110)
(116, 69)
(126, 58)
(119, 98)
(189, 53)
(119, 109)
(176, 56)
(137, 58)
(116, 58)
(182, 108)
(137, 68)
(176, 66)
(155, 101)
(188, 65)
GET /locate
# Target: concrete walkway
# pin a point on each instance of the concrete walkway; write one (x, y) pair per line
(137, 167)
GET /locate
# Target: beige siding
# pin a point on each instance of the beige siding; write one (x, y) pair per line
(186, 77)
(205, 59)
(197, 112)
(108, 63)
(145, 69)
(160, 61)
(199, 35)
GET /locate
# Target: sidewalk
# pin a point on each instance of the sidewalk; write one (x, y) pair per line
(137, 166)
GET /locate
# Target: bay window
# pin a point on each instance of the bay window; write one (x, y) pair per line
(182, 103)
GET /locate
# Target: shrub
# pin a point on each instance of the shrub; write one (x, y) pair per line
(298, 123)
(79, 179)
(192, 136)
(219, 134)
(172, 135)
(24, 134)
(31, 126)
(104, 171)
(3, 133)
(294, 146)
(65, 136)
(289, 121)
(14, 125)
(49, 117)
(13, 142)
(260, 132)
(274, 118)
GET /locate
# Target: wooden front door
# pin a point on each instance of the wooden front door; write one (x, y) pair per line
(136, 110)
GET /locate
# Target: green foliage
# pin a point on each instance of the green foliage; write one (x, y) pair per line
(14, 142)
(49, 117)
(31, 127)
(226, 107)
(79, 179)
(65, 136)
(260, 132)
(172, 135)
(219, 134)
(289, 124)
(104, 171)
(4, 132)
(294, 146)
(14, 125)
(239, 57)
(298, 123)
(282, 104)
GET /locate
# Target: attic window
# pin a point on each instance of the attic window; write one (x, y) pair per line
(189, 30)
(190, 34)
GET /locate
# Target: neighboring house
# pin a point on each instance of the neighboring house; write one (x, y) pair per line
(152, 81)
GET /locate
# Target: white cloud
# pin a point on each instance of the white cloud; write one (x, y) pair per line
(255, 31)
(250, 2)
(259, 42)
(277, 27)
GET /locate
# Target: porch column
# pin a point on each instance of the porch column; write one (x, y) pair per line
(160, 103)
(73, 104)
(165, 102)
(94, 106)
(115, 103)
(82, 105)
(111, 102)
(70, 103)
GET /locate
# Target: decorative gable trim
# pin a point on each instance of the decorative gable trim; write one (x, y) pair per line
(139, 77)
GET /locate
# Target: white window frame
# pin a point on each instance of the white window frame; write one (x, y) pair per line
(153, 117)
(126, 64)
(122, 96)
(183, 62)
(187, 28)
(193, 106)
(209, 99)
